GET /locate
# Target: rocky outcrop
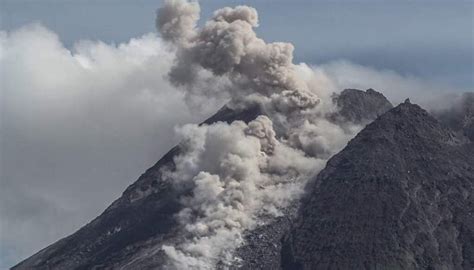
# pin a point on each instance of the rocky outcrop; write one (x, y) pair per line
(360, 107)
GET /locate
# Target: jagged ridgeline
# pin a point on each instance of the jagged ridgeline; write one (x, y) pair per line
(256, 185)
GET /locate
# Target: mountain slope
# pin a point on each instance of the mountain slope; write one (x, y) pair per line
(132, 225)
(399, 196)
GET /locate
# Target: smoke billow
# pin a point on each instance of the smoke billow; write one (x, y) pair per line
(237, 172)
(177, 20)
(241, 175)
(228, 48)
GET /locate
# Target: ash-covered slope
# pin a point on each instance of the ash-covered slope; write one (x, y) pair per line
(399, 196)
(130, 232)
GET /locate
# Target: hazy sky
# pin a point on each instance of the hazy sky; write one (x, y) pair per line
(431, 39)
(73, 136)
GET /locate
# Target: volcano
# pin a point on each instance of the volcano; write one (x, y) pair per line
(398, 196)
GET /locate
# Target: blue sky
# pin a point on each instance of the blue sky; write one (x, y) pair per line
(66, 136)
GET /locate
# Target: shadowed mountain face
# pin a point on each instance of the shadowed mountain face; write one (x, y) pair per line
(399, 196)
(361, 107)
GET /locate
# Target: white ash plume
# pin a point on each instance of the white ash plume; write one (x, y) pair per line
(177, 20)
(240, 174)
(227, 46)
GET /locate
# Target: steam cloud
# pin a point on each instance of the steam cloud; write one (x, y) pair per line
(241, 175)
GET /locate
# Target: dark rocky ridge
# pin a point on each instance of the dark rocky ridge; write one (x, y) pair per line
(129, 231)
(399, 196)
(360, 107)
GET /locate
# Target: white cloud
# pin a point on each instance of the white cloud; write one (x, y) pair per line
(78, 126)
(394, 86)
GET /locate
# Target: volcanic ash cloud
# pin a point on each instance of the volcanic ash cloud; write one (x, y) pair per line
(241, 175)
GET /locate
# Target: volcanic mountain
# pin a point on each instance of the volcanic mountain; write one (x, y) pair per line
(398, 196)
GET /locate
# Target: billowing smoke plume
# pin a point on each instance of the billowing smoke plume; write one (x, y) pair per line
(176, 20)
(237, 172)
(228, 48)
(241, 175)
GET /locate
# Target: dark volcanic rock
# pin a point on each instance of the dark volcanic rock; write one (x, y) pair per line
(361, 107)
(399, 196)
(263, 246)
(129, 231)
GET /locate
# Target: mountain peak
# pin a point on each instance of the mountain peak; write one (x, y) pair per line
(398, 196)
(361, 107)
(408, 123)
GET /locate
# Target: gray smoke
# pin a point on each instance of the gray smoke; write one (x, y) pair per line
(238, 172)
(242, 175)
(228, 47)
(177, 20)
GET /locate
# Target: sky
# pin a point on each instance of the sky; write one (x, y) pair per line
(430, 39)
(85, 106)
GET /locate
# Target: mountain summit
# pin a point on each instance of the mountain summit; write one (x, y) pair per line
(399, 196)
(361, 106)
